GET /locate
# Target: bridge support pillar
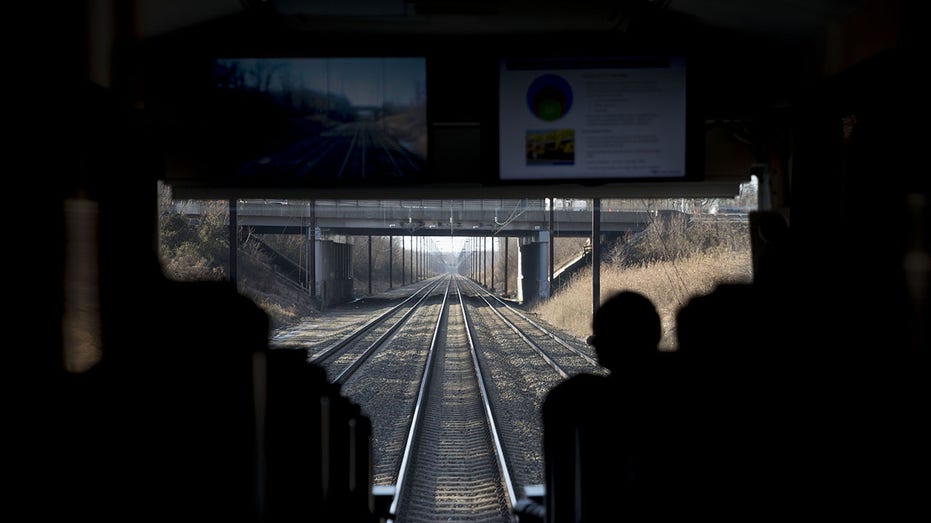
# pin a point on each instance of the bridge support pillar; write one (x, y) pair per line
(333, 267)
(533, 269)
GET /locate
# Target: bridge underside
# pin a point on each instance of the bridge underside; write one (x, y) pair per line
(580, 229)
(374, 231)
(332, 280)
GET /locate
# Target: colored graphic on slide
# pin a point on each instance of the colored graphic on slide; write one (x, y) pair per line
(550, 146)
(549, 97)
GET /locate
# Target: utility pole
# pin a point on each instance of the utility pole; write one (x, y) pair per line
(596, 254)
(234, 245)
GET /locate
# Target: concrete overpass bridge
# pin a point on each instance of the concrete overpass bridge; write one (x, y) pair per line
(532, 222)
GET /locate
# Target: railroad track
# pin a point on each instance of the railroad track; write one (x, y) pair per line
(452, 379)
(524, 362)
(344, 357)
(567, 356)
(454, 466)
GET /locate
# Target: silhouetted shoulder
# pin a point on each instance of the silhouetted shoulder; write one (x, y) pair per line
(575, 395)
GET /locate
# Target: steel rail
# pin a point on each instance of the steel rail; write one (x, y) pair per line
(328, 352)
(486, 402)
(351, 368)
(418, 410)
(552, 335)
(562, 372)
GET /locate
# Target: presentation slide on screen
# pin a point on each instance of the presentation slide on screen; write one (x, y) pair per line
(592, 118)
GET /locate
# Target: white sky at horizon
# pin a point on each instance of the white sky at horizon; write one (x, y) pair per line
(455, 244)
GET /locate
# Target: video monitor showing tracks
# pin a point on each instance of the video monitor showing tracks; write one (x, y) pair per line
(311, 122)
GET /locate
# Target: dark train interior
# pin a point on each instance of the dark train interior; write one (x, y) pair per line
(818, 100)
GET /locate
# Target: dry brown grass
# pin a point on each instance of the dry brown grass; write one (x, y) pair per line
(284, 301)
(669, 284)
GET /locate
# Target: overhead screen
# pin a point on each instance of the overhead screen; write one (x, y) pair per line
(592, 119)
(311, 122)
(361, 121)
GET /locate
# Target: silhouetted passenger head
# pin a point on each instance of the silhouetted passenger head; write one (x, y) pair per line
(726, 323)
(626, 327)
